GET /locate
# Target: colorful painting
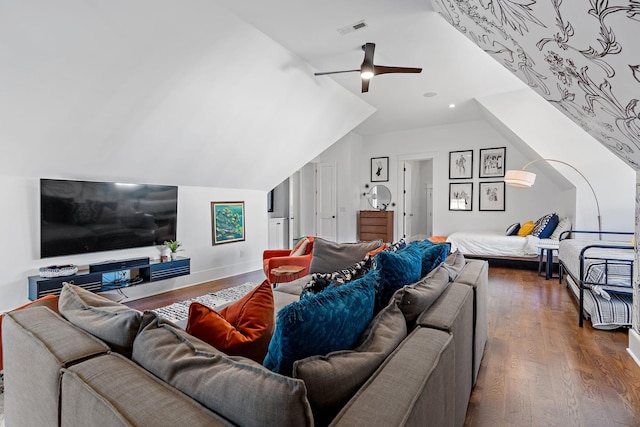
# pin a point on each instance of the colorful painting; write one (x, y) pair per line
(227, 222)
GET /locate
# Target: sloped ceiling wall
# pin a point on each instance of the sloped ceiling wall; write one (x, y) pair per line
(581, 56)
(158, 91)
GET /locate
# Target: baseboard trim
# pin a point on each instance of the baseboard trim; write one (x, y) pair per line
(634, 346)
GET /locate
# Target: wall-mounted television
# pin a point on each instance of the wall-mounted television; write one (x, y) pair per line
(79, 217)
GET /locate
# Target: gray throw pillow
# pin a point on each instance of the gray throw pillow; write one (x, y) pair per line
(239, 389)
(331, 256)
(112, 322)
(454, 264)
(417, 297)
(333, 379)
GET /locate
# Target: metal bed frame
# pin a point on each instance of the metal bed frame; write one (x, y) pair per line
(583, 257)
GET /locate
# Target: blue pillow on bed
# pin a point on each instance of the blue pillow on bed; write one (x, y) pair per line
(545, 226)
(512, 230)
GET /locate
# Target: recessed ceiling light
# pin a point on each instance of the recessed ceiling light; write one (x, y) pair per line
(430, 94)
(452, 105)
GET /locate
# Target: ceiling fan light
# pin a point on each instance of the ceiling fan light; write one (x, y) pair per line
(366, 74)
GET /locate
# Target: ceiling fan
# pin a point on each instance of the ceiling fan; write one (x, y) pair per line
(368, 69)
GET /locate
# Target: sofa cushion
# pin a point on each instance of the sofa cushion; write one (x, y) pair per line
(331, 256)
(243, 328)
(237, 388)
(114, 323)
(321, 323)
(417, 297)
(454, 263)
(396, 269)
(320, 281)
(432, 255)
(395, 247)
(332, 379)
(91, 395)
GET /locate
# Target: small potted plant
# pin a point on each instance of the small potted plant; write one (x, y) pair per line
(173, 246)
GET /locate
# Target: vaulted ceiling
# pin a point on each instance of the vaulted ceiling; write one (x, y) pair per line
(583, 57)
(187, 92)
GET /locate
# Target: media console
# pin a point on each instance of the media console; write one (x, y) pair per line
(98, 281)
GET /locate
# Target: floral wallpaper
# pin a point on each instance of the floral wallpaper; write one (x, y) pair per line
(581, 56)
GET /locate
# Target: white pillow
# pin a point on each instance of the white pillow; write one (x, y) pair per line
(301, 249)
(563, 225)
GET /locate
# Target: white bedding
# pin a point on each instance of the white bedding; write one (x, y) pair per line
(569, 253)
(493, 243)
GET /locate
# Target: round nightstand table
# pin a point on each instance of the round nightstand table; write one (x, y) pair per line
(547, 247)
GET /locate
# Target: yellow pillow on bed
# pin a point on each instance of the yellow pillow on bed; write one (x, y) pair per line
(526, 228)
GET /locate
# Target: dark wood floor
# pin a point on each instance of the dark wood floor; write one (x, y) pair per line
(539, 367)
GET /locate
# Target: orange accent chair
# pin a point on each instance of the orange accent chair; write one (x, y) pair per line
(273, 258)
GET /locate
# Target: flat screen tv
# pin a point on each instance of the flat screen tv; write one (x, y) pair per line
(79, 217)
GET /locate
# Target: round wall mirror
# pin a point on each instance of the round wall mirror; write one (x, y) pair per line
(379, 197)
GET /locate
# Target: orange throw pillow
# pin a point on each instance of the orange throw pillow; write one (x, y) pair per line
(243, 328)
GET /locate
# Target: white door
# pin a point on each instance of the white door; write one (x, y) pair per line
(276, 233)
(407, 214)
(294, 208)
(429, 209)
(326, 201)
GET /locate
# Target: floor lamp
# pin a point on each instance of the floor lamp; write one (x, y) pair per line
(524, 179)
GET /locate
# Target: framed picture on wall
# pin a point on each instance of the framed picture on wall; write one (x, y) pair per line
(461, 164)
(460, 196)
(492, 162)
(379, 169)
(227, 222)
(492, 196)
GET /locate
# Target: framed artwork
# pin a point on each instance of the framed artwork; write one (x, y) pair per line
(492, 162)
(379, 169)
(460, 196)
(492, 196)
(227, 222)
(461, 164)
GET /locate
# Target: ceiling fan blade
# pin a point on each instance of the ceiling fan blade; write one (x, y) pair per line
(324, 73)
(365, 85)
(369, 49)
(381, 69)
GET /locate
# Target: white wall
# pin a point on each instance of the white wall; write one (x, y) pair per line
(346, 154)
(352, 155)
(550, 134)
(159, 89)
(19, 228)
(436, 143)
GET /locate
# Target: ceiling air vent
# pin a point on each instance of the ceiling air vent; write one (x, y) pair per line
(353, 27)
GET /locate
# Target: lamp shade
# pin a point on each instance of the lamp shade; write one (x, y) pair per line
(519, 178)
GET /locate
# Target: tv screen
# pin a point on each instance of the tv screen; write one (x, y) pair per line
(79, 217)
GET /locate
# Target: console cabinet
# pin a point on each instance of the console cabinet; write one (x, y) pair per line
(373, 225)
(154, 271)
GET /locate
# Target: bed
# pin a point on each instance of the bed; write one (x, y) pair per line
(599, 271)
(493, 244)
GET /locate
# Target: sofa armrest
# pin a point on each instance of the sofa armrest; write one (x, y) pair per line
(413, 387)
(272, 253)
(48, 343)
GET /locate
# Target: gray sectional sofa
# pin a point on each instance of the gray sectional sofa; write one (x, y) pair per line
(57, 373)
